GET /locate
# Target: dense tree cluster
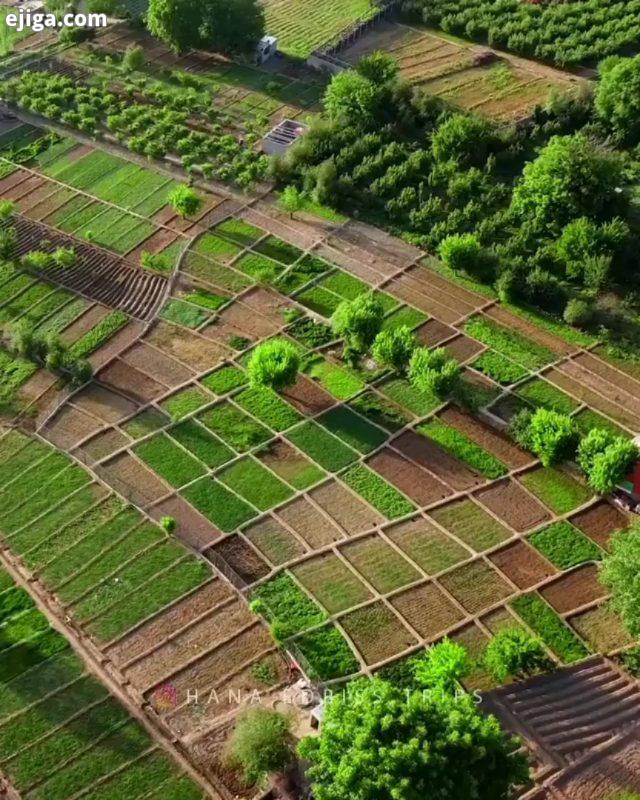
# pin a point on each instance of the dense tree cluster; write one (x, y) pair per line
(565, 33)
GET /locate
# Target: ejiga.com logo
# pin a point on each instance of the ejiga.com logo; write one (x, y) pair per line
(36, 21)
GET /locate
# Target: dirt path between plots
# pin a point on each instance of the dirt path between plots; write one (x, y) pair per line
(94, 664)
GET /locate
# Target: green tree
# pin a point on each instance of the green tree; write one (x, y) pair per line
(274, 363)
(377, 743)
(378, 67)
(64, 257)
(462, 252)
(261, 743)
(572, 177)
(358, 322)
(176, 22)
(352, 97)
(514, 653)
(133, 58)
(393, 348)
(606, 459)
(434, 371)
(443, 666)
(291, 200)
(232, 26)
(616, 100)
(185, 201)
(578, 312)
(620, 573)
(464, 139)
(7, 210)
(8, 242)
(553, 437)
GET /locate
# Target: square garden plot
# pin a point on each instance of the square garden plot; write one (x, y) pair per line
(235, 427)
(428, 610)
(322, 447)
(218, 504)
(255, 483)
(522, 564)
(564, 545)
(408, 397)
(420, 486)
(602, 629)
(278, 250)
(382, 566)
(461, 447)
(145, 422)
(218, 248)
(239, 231)
(242, 558)
(377, 633)
(544, 621)
(205, 446)
(169, 460)
(290, 465)
(327, 653)
(287, 607)
(476, 586)
(264, 404)
(574, 589)
(376, 491)
(274, 541)
(332, 583)
(429, 547)
(541, 394)
(185, 402)
(600, 521)
(335, 380)
(509, 501)
(472, 524)
(183, 313)
(345, 508)
(352, 429)
(259, 267)
(381, 411)
(225, 380)
(557, 489)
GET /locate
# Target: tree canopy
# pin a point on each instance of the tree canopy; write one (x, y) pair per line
(434, 371)
(377, 743)
(358, 322)
(621, 574)
(513, 652)
(393, 348)
(616, 100)
(274, 363)
(553, 437)
(261, 743)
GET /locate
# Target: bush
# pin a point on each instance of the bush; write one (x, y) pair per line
(185, 201)
(168, 524)
(464, 253)
(606, 459)
(64, 257)
(514, 653)
(133, 58)
(261, 743)
(520, 426)
(578, 313)
(616, 100)
(553, 437)
(7, 209)
(274, 363)
(154, 261)
(433, 371)
(358, 322)
(393, 348)
(620, 570)
(8, 242)
(36, 259)
(443, 666)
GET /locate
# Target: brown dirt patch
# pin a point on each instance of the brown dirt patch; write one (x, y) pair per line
(428, 455)
(70, 426)
(191, 527)
(428, 546)
(284, 460)
(132, 479)
(156, 630)
(199, 638)
(307, 521)
(195, 351)
(156, 364)
(154, 244)
(269, 304)
(274, 541)
(209, 754)
(52, 204)
(487, 437)
(609, 373)
(417, 484)
(611, 391)
(377, 633)
(476, 586)
(529, 330)
(241, 320)
(39, 383)
(132, 382)
(6, 184)
(308, 397)
(602, 629)
(242, 558)
(104, 404)
(39, 195)
(350, 513)
(428, 610)
(574, 589)
(432, 302)
(105, 443)
(462, 348)
(116, 344)
(31, 184)
(522, 564)
(509, 501)
(433, 332)
(84, 323)
(600, 521)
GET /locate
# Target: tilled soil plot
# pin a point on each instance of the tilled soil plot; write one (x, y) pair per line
(40, 382)
(428, 610)
(422, 487)
(209, 754)
(428, 455)
(132, 382)
(529, 330)
(600, 521)
(175, 654)
(18, 190)
(51, 205)
(132, 479)
(429, 284)
(511, 503)
(430, 548)
(70, 426)
(602, 628)
(190, 349)
(476, 586)
(43, 193)
(311, 524)
(350, 264)
(242, 558)
(609, 373)
(157, 242)
(374, 240)
(575, 589)
(408, 290)
(274, 541)
(14, 179)
(611, 391)
(246, 320)
(153, 633)
(463, 348)
(485, 436)
(522, 564)
(104, 444)
(104, 404)
(308, 397)
(342, 506)
(123, 338)
(377, 633)
(433, 332)
(191, 527)
(164, 369)
(91, 317)
(267, 303)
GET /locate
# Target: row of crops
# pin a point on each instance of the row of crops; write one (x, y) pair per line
(565, 33)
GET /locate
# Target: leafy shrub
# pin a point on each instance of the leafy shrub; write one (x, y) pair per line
(443, 666)
(464, 253)
(578, 313)
(358, 322)
(261, 743)
(274, 363)
(606, 459)
(393, 348)
(553, 437)
(185, 201)
(433, 371)
(514, 653)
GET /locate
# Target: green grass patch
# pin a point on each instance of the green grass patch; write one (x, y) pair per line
(407, 396)
(287, 607)
(320, 300)
(235, 427)
(239, 231)
(588, 419)
(352, 429)
(185, 314)
(99, 334)
(185, 402)
(499, 368)
(225, 380)
(327, 654)
(218, 504)
(527, 353)
(278, 250)
(564, 545)
(541, 394)
(406, 315)
(377, 491)
(345, 285)
(169, 461)
(544, 621)
(471, 524)
(297, 470)
(217, 248)
(558, 490)
(461, 447)
(259, 267)
(380, 411)
(267, 406)
(337, 381)
(328, 451)
(145, 422)
(310, 333)
(204, 445)
(255, 483)
(200, 297)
